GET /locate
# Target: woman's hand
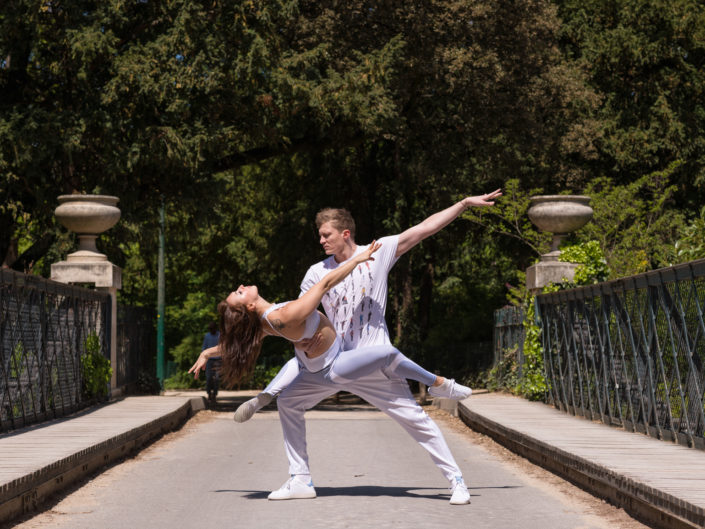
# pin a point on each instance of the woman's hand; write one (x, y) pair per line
(200, 364)
(203, 359)
(367, 254)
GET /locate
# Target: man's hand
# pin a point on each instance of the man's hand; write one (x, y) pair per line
(414, 235)
(482, 200)
(309, 345)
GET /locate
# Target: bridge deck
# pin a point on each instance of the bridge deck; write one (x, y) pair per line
(644, 468)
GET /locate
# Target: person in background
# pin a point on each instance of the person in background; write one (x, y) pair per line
(210, 339)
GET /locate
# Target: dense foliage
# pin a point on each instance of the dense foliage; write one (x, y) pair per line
(95, 369)
(247, 117)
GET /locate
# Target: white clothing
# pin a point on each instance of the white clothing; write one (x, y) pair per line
(345, 366)
(357, 304)
(393, 397)
(301, 389)
(312, 322)
(312, 364)
(357, 326)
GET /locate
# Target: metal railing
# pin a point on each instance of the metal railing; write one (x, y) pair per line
(45, 327)
(509, 334)
(631, 352)
(136, 345)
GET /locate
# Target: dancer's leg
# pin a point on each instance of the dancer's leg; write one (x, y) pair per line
(394, 398)
(391, 395)
(351, 365)
(285, 376)
(357, 363)
(304, 392)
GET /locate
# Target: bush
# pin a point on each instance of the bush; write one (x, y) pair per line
(505, 375)
(691, 244)
(95, 369)
(532, 383)
(593, 266)
(262, 376)
(147, 384)
(184, 380)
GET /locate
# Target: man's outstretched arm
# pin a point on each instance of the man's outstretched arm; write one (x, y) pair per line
(436, 222)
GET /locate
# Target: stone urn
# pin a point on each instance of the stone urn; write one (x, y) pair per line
(559, 215)
(88, 216)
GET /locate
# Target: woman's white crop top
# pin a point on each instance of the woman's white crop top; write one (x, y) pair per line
(312, 322)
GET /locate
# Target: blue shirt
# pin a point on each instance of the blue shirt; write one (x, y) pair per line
(210, 340)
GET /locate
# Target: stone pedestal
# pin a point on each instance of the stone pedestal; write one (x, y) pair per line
(100, 273)
(88, 216)
(546, 272)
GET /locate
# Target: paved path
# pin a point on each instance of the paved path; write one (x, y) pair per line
(368, 473)
(356, 457)
(36, 461)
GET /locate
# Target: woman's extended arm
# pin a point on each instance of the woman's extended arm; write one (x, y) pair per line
(300, 308)
(336, 276)
(203, 359)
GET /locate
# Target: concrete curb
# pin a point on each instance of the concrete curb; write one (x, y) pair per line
(640, 500)
(25, 494)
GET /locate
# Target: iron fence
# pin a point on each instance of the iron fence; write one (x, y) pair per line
(45, 327)
(136, 346)
(631, 352)
(509, 334)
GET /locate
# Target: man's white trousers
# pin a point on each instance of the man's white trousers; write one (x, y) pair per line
(390, 395)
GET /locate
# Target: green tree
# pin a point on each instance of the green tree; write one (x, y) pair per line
(248, 117)
(691, 243)
(645, 60)
(144, 99)
(636, 224)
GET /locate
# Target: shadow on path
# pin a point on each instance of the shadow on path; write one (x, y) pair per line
(373, 492)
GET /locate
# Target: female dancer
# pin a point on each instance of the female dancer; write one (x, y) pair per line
(246, 318)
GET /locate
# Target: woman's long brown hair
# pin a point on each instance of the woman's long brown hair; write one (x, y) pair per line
(240, 342)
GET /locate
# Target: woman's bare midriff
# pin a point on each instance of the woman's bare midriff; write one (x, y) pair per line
(328, 335)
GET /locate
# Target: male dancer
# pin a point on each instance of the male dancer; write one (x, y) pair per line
(356, 308)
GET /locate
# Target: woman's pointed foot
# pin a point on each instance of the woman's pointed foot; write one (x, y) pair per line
(247, 409)
(449, 389)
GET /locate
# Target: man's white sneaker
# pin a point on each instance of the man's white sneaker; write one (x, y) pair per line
(450, 390)
(294, 489)
(247, 409)
(460, 496)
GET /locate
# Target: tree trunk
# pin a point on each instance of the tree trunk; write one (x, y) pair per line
(10, 254)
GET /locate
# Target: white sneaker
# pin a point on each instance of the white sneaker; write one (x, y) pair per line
(294, 489)
(450, 390)
(460, 496)
(247, 409)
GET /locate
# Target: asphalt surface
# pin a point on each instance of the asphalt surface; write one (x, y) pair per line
(367, 471)
(92, 469)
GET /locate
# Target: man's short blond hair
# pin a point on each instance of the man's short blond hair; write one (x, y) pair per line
(340, 219)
